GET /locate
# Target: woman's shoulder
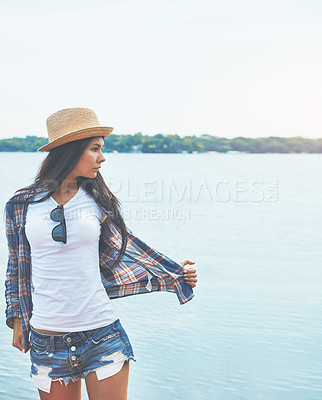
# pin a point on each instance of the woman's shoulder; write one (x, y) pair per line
(19, 197)
(20, 194)
(14, 204)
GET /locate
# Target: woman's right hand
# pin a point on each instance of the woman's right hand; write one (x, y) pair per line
(17, 340)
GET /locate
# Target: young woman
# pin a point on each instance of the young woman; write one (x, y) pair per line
(70, 253)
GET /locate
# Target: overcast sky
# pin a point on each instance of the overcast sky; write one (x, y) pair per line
(226, 68)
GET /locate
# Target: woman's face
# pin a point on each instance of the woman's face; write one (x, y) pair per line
(91, 159)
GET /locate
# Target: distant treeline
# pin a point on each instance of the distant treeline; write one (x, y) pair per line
(175, 144)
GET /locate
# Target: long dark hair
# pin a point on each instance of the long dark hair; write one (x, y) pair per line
(60, 161)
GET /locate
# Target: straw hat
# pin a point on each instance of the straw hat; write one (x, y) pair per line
(72, 124)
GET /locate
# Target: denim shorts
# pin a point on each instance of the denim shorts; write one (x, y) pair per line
(73, 355)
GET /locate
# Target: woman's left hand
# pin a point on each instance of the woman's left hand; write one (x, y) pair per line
(190, 274)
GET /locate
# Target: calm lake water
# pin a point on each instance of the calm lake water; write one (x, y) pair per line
(253, 225)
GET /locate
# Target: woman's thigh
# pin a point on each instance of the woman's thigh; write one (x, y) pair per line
(60, 391)
(111, 388)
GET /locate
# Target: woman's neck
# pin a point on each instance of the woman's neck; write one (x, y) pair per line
(67, 187)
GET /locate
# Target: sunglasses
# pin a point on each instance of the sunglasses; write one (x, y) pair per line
(59, 233)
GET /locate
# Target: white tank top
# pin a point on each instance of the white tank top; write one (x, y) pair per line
(67, 291)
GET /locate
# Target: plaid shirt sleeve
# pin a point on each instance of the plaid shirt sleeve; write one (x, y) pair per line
(142, 268)
(11, 281)
(166, 273)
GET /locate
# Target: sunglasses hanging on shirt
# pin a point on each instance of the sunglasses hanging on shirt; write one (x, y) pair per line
(59, 233)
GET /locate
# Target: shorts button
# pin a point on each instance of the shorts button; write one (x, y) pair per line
(68, 339)
(73, 348)
(73, 358)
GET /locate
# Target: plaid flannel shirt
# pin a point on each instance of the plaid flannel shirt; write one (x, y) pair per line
(142, 269)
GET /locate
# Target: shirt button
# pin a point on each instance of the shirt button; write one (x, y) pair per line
(68, 339)
(73, 348)
(73, 358)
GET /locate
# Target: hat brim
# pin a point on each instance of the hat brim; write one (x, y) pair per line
(77, 135)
